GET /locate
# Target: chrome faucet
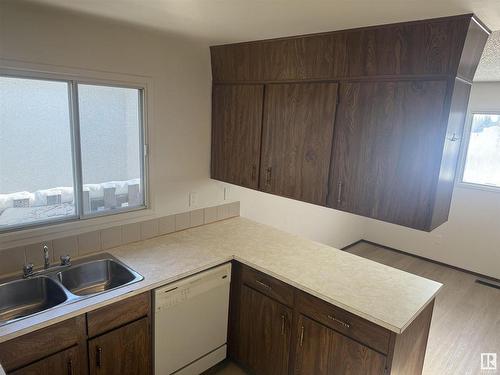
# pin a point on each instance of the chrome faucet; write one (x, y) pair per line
(46, 258)
(28, 268)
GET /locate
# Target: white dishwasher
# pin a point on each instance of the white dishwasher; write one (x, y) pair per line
(190, 322)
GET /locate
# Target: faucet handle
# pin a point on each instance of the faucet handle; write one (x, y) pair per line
(27, 270)
(65, 260)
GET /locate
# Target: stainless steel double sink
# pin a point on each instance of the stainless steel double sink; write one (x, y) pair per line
(22, 298)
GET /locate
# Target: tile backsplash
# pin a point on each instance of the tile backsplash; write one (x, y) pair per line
(12, 260)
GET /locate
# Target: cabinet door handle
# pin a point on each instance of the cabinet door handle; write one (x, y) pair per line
(70, 367)
(301, 338)
(264, 285)
(341, 322)
(269, 175)
(339, 193)
(283, 318)
(99, 357)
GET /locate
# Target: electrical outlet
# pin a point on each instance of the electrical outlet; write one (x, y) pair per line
(193, 199)
(226, 193)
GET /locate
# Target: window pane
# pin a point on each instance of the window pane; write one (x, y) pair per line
(36, 169)
(482, 165)
(110, 132)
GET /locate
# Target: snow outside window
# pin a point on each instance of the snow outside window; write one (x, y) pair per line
(482, 162)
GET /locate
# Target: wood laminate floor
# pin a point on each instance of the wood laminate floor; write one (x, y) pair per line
(465, 323)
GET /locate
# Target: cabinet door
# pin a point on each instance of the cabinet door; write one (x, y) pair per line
(387, 150)
(297, 140)
(313, 348)
(264, 334)
(126, 350)
(236, 132)
(351, 358)
(67, 362)
(322, 351)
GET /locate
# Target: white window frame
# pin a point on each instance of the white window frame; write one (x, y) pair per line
(465, 149)
(94, 78)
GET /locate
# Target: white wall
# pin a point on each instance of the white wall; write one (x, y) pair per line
(471, 237)
(332, 227)
(179, 95)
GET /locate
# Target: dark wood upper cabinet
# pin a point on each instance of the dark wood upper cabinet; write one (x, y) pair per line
(404, 91)
(414, 48)
(297, 140)
(236, 132)
(472, 50)
(309, 57)
(387, 150)
(428, 47)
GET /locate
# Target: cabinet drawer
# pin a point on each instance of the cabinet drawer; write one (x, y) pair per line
(67, 362)
(344, 322)
(118, 314)
(267, 285)
(42, 343)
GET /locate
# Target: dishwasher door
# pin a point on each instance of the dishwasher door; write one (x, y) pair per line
(190, 322)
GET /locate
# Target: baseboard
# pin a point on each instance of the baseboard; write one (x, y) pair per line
(205, 363)
(346, 248)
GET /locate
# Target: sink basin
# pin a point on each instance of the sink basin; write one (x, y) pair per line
(96, 277)
(61, 285)
(21, 298)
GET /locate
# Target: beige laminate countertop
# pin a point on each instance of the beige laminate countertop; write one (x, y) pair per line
(383, 295)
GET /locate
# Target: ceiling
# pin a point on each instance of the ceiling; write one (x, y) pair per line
(226, 21)
(489, 66)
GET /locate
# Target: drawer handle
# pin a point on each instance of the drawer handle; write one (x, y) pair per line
(264, 285)
(283, 318)
(301, 338)
(99, 357)
(346, 325)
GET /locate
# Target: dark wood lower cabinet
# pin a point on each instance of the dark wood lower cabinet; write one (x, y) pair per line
(123, 351)
(67, 362)
(118, 338)
(312, 355)
(274, 329)
(308, 336)
(322, 351)
(265, 333)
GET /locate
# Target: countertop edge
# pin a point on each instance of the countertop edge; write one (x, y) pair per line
(372, 319)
